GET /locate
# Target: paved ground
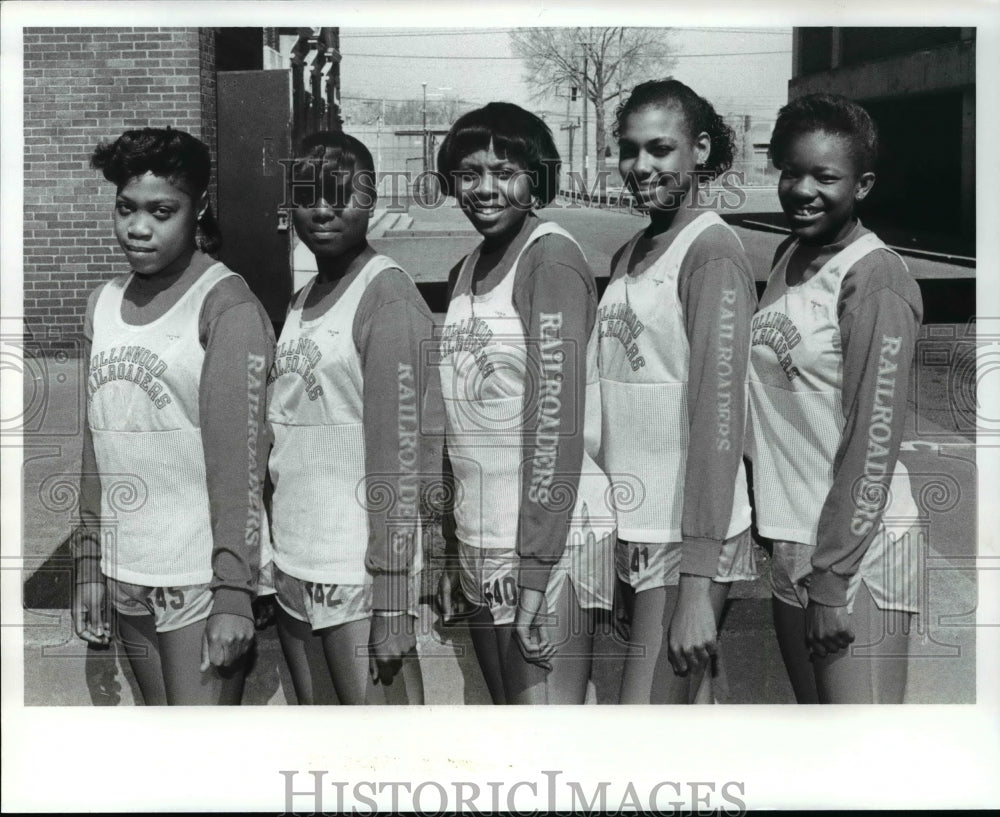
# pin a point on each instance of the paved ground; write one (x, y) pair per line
(61, 670)
(600, 232)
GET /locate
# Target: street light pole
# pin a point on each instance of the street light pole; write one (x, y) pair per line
(378, 137)
(586, 158)
(424, 139)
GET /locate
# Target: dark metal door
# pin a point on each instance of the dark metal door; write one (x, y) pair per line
(254, 135)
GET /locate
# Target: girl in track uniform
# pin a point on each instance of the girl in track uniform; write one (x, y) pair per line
(671, 347)
(345, 395)
(531, 529)
(172, 531)
(833, 345)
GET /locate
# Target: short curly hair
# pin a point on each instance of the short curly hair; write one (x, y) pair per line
(515, 133)
(832, 114)
(699, 114)
(167, 152)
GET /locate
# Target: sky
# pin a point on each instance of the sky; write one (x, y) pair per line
(740, 70)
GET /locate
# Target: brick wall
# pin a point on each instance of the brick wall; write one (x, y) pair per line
(82, 86)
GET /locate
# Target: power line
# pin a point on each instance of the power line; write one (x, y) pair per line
(456, 100)
(466, 59)
(423, 57)
(787, 31)
(495, 31)
(761, 100)
(733, 54)
(453, 32)
(728, 102)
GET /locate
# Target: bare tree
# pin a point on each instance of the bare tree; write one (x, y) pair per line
(405, 112)
(439, 111)
(615, 59)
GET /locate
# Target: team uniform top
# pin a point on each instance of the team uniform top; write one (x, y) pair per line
(672, 348)
(830, 369)
(176, 439)
(514, 382)
(345, 399)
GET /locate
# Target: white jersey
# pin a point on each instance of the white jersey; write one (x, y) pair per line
(317, 465)
(143, 411)
(796, 383)
(643, 357)
(484, 366)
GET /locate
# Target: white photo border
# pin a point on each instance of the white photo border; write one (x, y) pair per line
(89, 759)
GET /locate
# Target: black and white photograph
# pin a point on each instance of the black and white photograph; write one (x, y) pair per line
(414, 364)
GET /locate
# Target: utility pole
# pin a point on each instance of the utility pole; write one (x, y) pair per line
(586, 158)
(424, 139)
(331, 37)
(378, 138)
(572, 126)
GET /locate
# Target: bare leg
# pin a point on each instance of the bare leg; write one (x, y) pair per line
(138, 638)
(346, 649)
(790, 629)
(648, 676)
(407, 686)
(486, 643)
(186, 684)
(575, 627)
(645, 637)
(303, 653)
(524, 683)
(571, 630)
(878, 674)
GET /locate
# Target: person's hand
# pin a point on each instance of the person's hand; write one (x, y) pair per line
(89, 620)
(529, 633)
(227, 637)
(621, 620)
(692, 637)
(450, 600)
(391, 640)
(828, 630)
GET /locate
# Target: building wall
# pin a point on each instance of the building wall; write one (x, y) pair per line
(82, 86)
(919, 84)
(949, 66)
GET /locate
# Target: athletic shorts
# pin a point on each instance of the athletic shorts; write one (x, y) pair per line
(489, 577)
(327, 605)
(891, 569)
(265, 580)
(645, 565)
(170, 607)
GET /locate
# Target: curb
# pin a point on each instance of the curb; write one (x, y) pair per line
(927, 255)
(410, 233)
